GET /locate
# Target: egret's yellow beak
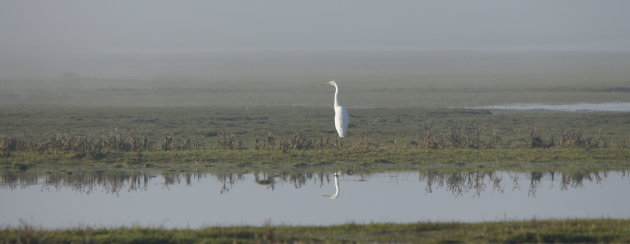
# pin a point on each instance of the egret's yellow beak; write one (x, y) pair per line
(327, 83)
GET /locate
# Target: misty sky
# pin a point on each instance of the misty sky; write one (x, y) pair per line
(121, 38)
(63, 26)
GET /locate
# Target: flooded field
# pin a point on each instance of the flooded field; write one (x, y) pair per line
(188, 200)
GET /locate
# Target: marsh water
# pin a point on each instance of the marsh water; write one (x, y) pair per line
(577, 107)
(180, 200)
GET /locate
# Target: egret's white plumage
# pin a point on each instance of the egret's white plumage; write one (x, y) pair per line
(342, 119)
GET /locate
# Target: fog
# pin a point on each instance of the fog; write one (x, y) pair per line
(94, 44)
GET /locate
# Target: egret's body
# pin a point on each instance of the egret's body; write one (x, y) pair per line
(342, 119)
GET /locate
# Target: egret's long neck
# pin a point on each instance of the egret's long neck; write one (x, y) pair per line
(336, 185)
(337, 103)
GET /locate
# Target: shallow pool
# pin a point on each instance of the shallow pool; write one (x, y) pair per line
(196, 200)
(577, 107)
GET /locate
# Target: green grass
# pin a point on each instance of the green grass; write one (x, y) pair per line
(286, 136)
(396, 124)
(534, 231)
(399, 159)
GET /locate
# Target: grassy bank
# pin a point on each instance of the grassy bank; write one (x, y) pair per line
(269, 127)
(492, 159)
(305, 135)
(546, 231)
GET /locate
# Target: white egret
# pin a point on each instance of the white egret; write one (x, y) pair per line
(342, 119)
(336, 194)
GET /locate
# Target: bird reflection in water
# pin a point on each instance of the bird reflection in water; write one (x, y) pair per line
(336, 194)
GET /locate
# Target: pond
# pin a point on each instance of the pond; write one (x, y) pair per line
(577, 107)
(191, 200)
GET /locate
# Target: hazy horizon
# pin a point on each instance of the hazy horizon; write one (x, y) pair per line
(160, 52)
(56, 35)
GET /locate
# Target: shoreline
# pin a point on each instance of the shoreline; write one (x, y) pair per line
(567, 230)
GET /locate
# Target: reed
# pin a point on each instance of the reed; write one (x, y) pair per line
(526, 231)
(455, 137)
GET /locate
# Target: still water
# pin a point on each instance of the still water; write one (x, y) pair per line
(203, 199)
(577, 107)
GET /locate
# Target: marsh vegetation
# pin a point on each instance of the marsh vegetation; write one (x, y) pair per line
(143, 135)
(535, 231)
